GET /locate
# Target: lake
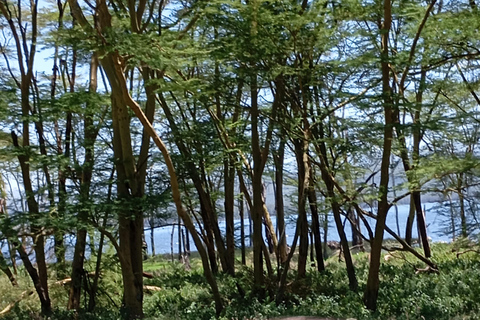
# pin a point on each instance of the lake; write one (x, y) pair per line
(437, 227)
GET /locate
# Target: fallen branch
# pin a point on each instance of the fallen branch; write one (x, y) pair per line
(469, 250)
(151, 288)
(14, 303)
(63, 281)
(426, 270)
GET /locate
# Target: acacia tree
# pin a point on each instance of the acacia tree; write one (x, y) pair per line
(25, 50)
(90, 130)
(129, 178)
(392, 117)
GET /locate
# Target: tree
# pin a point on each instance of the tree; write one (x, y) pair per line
(25, 47)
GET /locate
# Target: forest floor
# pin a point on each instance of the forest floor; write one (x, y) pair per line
(177, 293)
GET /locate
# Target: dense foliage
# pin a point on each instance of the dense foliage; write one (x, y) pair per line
(119, 114)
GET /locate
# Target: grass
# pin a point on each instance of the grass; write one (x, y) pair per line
(454, 293)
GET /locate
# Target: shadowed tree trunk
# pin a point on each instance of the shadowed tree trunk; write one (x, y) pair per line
(3, 262)
(301, 147)
(279, 158)
(242, 227)
(409, 225)
(373, 281)
(229, 176)
(4, 267)
(312, 199)
(257, 209)
(91, 133)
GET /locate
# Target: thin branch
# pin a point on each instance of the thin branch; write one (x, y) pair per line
(414, 44)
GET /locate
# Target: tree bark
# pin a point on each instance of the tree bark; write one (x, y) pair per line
(312, 199)
(301, 146)
(90, 132)
(279, 158)
(373, 281)
(4, 267)
(257, 210)
(229, 181)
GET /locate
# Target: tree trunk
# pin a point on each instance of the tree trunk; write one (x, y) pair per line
(179, 239)
(301, 147)
(312, 199)
(37, 282)
(257, 210)
(279, 158)
(130, 217)
(3, 263)
(373, 281)
(87, 171)
(229, 181)
(409, 225)
(4, 267)
(94, 288)
(422, 228)
(461, 200)
(152, 239)
(242, 228)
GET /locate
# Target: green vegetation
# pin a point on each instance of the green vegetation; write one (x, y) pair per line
(121, 113)
(452, 293)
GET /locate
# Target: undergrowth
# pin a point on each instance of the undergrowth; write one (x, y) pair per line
(453, 293)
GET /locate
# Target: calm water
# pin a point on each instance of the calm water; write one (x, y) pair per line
(437, 224)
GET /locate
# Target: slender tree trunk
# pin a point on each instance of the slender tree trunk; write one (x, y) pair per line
(279, 158)
(229, 181)
(242, 228)
(37, 282)
(94, 288)
(325, 234)
(422, 227)
(312, 199)
(87, 172)
(4, 267)
(417, 136)
(452, 218)
(64, 150)
(301, 147)
(179, 239)
(3, 263)
(461, 200)
(58, 236)
(409, 225)
(394, 186)
(152, 240)
(373, 281)
(257, 210)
